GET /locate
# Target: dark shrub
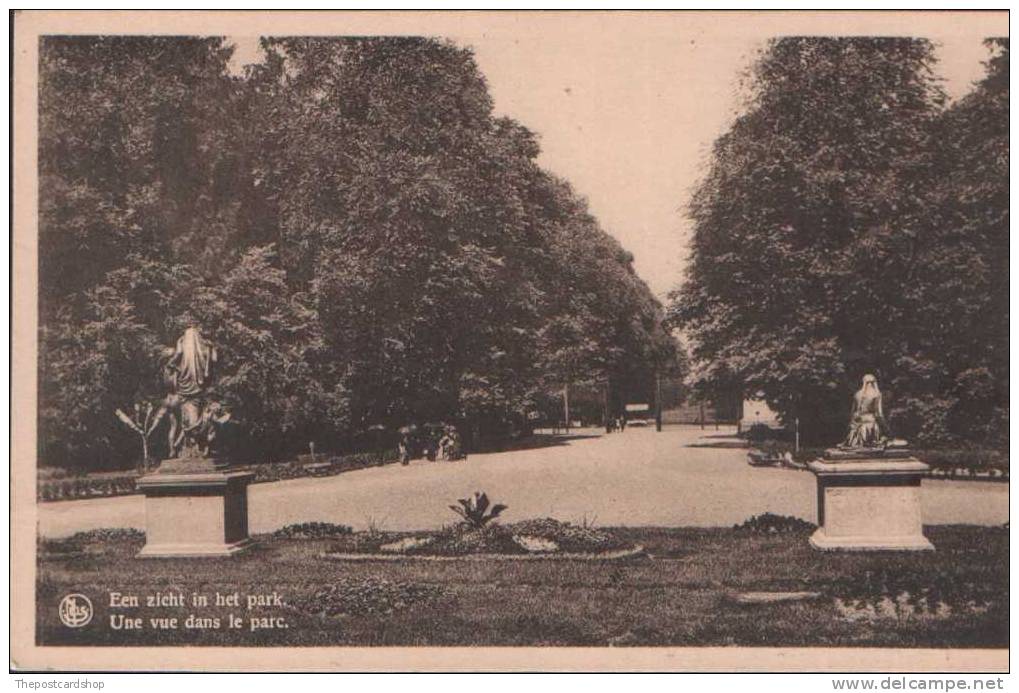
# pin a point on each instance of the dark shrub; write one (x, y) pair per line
(769, 523)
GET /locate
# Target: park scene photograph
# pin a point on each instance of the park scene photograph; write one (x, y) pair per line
(688, 333)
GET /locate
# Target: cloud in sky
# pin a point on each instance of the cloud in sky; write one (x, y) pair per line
(629, 116)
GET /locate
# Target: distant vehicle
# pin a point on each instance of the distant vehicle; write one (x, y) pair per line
(638, 414)
(757, 413)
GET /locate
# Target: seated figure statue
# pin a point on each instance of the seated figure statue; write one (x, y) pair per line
(868, 429)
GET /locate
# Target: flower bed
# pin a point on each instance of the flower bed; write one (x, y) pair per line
(312, 530)
(90, 542)
(347, 596)
(531, 538)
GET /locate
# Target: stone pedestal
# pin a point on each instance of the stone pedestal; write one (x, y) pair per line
(869, 504)
(195, 508)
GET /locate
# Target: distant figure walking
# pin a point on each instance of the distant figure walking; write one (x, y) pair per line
(404, 448)
(450, 445)
(408, 444)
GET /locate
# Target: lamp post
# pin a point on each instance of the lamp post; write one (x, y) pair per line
(605, 407)
(566, 406)
(658, 401)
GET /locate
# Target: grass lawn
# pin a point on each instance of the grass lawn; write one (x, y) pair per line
(681, 594)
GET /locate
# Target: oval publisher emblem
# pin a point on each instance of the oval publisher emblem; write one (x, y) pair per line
(75, 610)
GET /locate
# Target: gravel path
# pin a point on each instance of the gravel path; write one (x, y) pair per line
(634, 478)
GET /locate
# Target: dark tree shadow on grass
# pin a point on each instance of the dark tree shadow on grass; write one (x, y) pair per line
(722, 444)
(533, 442)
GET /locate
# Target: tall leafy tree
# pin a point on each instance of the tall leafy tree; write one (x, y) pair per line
(428, 234)
(366, 241)
(955, 373)
(134, 156)
(805, 223)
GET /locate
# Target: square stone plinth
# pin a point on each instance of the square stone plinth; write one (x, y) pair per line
(192, 515)
(869, 505)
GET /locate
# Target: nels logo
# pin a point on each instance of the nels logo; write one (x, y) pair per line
(75, 610)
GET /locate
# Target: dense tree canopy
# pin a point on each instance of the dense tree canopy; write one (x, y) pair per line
(850, 223)
(364, 239)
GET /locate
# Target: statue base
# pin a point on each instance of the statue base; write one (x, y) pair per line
(869, 504)
(195, 507)
(867, 454)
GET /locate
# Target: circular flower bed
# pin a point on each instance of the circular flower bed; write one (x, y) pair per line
(544, 537)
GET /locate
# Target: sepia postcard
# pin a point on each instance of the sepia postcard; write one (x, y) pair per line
(510, 341)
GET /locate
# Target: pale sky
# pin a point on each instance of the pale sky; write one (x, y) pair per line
(627, 110)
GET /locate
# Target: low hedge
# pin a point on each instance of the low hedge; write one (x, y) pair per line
(85, 487)
(57, 487)
(321, 465)
(955, 463)
(962, 464)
